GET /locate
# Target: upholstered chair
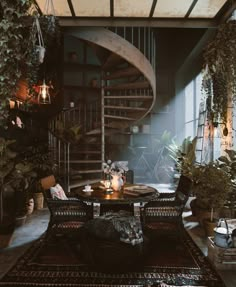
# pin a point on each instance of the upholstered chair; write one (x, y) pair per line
(66, 215)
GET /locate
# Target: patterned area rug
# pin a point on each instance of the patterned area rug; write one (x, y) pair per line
(168, 261)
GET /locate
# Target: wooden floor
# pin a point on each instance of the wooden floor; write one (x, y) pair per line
(36, 224)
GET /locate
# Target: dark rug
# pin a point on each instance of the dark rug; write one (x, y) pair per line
(167, 261)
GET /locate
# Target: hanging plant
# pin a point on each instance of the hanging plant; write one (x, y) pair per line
(19, 58)
(13, 45)
(219, 76)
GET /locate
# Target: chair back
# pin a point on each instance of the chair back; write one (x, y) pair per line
(183, 190)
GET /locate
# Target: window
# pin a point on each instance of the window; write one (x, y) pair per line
(192, 99)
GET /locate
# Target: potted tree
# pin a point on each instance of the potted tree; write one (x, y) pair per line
(211, 186)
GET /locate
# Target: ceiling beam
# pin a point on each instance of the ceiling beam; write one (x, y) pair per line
(154, 3)
(137, 22)
(111, 8)
(191, 8)
(223, 17)
(72, 11)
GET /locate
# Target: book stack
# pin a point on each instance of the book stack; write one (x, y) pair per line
(138, 190)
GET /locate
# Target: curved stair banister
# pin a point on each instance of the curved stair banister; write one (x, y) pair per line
(128, 94)
(125, 50)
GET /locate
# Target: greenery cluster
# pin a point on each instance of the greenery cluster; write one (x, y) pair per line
(13, 46)
(18, 49)
(219, 77)
(184, 156)
(211, 185)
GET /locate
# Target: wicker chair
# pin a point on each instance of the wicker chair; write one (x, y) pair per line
(65, 215)
(166, 214)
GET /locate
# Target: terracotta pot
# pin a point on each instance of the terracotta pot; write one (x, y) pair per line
(209, 226)
(30, 206)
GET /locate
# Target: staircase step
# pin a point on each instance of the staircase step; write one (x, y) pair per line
(135, 85)
(112, 61)
(85, 161)
(88, 152)
(119, 118)
(125, 108)
(94, 132)
(126, 97)
(122, 73)
(87, 171)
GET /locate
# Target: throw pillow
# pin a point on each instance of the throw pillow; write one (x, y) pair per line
(57, 192)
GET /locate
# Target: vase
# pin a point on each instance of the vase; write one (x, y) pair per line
(116, 182)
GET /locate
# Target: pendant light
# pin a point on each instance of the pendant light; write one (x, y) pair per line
(44, 96)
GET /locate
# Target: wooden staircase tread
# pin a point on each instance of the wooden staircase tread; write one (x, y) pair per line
(94, 132)
(121, 73)
(87, 171)
(135, 85)
(87, 152)
(112, 61)
(126, 97)
(119, 118)
(125, 108)
(86, 161)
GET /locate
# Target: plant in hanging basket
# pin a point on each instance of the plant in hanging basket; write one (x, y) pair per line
(219, 73)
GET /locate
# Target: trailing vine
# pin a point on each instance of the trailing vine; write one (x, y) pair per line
(13, 45)
(219, 78)
(19, 57)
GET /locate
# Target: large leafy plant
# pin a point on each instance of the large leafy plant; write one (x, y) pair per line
(211, 186)
(219, 77)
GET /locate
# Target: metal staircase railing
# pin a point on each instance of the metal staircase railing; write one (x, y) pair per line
(127, 95)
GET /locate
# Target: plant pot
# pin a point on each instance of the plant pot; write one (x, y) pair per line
(30, 206)
(38, 200)
(209, 226)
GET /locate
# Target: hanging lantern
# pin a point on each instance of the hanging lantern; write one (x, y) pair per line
(44, 96)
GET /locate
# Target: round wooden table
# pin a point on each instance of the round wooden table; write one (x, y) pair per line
(132, 194)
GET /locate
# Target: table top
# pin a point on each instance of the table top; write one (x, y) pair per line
(130, 193)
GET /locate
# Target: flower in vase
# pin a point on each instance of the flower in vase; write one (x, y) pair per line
(115, 168)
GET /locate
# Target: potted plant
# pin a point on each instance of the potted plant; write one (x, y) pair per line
(211, 186)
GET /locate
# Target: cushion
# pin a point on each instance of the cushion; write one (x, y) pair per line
(57, 192)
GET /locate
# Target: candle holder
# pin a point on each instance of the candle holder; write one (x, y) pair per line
(108, 189)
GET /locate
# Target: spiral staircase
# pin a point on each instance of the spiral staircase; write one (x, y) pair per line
(126, 95)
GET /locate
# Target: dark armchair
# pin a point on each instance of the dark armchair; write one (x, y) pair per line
(65, 215)
(166, 213)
